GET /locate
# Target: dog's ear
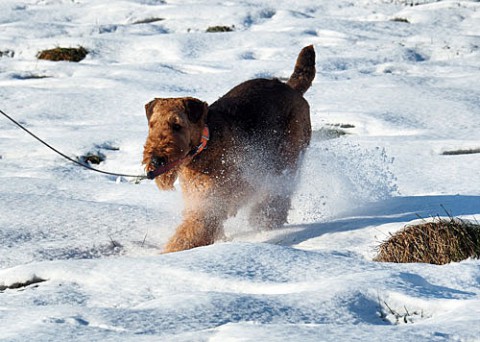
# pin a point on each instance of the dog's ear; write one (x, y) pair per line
(149, 108)
(195, 109)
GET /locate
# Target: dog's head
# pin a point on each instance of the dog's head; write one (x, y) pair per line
(175, 128)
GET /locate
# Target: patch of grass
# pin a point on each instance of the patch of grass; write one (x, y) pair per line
(438, 242)
(400, 20)
(344, 126)
(220, 29)
(92, 158)
(63, 54)
(147, 21)
(97, 156)
(460, 152)
(34, 280)
(7, 53)
(391, 315)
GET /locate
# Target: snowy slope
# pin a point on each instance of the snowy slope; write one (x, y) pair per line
(406, 81)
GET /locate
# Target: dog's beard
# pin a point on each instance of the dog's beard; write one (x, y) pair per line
(166, 180)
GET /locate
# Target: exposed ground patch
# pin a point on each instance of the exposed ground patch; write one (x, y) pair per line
(63, 54)
(20, 285)
(461, 152)
(213, 29)
(438, 242)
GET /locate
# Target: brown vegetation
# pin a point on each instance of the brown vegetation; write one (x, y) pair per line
(220, 29)
(20, 285)
(148, 20)
(92, 158)
(460, 152)
(438, 242)
(63, 54)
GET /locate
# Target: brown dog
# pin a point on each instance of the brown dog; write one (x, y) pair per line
(257, 133)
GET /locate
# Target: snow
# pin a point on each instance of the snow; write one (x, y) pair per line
(411, 91)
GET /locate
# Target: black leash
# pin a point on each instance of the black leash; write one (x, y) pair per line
(140, 177)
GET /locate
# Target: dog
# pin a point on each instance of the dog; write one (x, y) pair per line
(243, 150)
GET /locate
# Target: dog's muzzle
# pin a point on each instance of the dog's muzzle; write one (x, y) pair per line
(157, 162)
(160, 165)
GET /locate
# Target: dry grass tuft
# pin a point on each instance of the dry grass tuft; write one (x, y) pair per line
(460, 152)
(148, 20)
(220, 29)
(7, 53)
(63, 54)
(92, 158)
(400, 20)
(438, 242)
(20, 285)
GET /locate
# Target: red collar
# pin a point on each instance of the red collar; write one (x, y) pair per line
(203, 142)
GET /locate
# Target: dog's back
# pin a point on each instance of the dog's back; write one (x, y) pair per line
(255, 105)
(267, 110)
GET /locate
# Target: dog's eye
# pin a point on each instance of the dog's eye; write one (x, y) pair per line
(176, 127)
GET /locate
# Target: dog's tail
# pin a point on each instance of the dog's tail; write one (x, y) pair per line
(304, 71)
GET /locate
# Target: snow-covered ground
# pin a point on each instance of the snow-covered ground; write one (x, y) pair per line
(404, 79)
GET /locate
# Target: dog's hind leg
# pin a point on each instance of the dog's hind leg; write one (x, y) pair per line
(272, 209)
(271, 212)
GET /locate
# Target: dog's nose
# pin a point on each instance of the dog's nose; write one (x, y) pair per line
(158, 161)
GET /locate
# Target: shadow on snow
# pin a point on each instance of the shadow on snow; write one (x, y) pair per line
(396, 209)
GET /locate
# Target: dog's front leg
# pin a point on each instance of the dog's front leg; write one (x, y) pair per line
(200, 227)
